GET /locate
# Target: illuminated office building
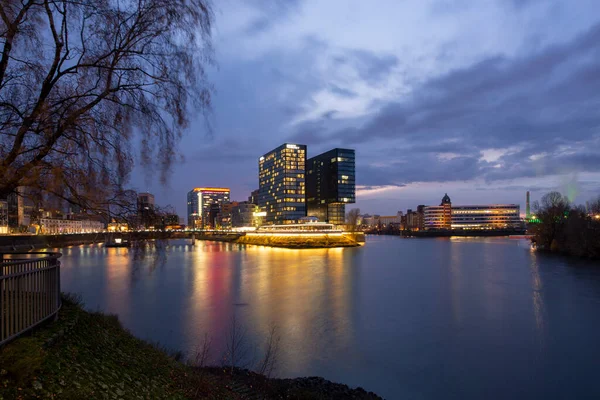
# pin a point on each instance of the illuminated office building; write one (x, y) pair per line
(492, 216)
(199, 201)
(281, 192)
(145, 209)
(330, 185)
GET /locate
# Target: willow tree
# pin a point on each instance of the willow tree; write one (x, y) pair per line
(80, 79)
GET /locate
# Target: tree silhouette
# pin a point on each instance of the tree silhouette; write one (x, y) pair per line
(79, 79)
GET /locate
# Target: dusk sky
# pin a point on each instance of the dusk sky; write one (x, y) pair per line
(482, 99)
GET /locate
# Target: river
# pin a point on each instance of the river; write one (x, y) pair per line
(406, 318)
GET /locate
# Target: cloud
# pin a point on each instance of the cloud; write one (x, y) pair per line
(342, 91)
(538, 103)
(499, 92)
(370, 66)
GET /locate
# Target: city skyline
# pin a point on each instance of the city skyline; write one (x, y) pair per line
(484, 100)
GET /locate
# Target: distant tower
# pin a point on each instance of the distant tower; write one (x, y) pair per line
(527, 208)
(446, 212)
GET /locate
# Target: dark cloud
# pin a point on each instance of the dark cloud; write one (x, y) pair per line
(342, 91)
(409, 167)
(371, 67)
(536, 103)
(272, 12)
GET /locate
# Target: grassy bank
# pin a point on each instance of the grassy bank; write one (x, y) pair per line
(90, 356)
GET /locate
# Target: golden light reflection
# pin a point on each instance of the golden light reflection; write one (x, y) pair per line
(117, 279)
(304, 293)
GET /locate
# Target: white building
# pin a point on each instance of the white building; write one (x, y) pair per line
(51, 226)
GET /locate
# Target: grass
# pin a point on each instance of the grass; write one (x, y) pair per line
(90, 355)
(87, 355)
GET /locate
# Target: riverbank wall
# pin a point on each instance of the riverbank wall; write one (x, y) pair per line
(304, 241)
(452, 233)
(10, 243)
(89, 355)
(30, 242)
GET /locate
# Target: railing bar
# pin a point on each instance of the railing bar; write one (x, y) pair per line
(1, 297)
(22, 308)
(58, 298)
(26, 301)
(41, 291)
(39, 294)
(45, 291)
(35, 296)
(19, 303)
(9, 328)
(29, 292)
(18, 274)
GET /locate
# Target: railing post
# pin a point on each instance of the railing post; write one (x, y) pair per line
(29, 292)
(2, 313)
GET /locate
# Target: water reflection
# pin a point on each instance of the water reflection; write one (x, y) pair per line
(538, 301)
(405, 318)
(305, 294)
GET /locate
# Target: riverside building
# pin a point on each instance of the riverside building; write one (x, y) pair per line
(199, 201)
(282, 184)
(492, 216)
(330, 185)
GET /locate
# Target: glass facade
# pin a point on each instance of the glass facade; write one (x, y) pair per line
(494, 216)
(199, 201)
(330, 185)
(281, 178)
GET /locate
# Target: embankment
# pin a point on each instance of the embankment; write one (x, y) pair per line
(90, 356)
(30, 242)
(302, 242)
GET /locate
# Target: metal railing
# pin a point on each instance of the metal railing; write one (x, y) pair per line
(29, 291)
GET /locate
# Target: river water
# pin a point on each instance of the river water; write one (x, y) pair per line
(405, 318)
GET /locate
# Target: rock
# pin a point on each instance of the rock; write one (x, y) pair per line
(37, 385)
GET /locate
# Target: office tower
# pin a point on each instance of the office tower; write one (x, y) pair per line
(199, 201)
(281, 178)
(145, 209)
(527, 208)
(253, 198)
(330, 185)
(243, 214)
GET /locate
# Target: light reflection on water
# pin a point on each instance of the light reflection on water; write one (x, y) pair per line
(466, 318)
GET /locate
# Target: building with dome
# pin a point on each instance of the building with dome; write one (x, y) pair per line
(488, 217)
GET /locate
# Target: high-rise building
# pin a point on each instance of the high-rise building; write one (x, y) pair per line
(19, 208)
(527, 208)
(3, 217)
(145, 209)
(242, 214)
(281, 178)
(253, 198)
(199, 201)
(330, 185)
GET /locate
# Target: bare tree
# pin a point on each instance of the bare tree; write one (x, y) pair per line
(594, 206)
(78, 78)
(352, 219)
(552, 212)
(203, 352)
(236, 347)
(270, 358)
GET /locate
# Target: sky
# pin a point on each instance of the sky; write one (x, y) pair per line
(480, 99)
